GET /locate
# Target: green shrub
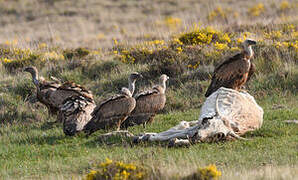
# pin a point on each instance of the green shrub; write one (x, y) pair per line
(207, 173)
(76, 53)
(117, 170)
(204, 36)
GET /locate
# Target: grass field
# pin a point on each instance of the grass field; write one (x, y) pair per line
(98, 43)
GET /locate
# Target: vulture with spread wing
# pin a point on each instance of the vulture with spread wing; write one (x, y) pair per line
(113, 111)
(148, 103)
(235, 71)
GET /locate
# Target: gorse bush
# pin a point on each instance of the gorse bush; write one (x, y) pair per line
(75, 53)
(207, 173)
(117, 170)
(204, 36)
(15, 58)
(188, 57)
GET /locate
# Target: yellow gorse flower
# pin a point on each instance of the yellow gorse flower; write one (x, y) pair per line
(6, 60)
(273, 35)
(179, 50)
(204, 36)
(225, 38)
(284, 5)
(235, 49)
(91, 175)
(172, 22)
(209, 172)
(257, 9)
(277, 45)
(217, 12)
(220, 46)
(108, 162)
(294, 35)
(52, 56)
(117, 170)
(42, 45)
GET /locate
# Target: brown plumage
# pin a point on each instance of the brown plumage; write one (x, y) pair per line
(113, 111)
(53, 94)
(66, 90)
(148, 103)
(75, 113)
(234, 72)
(44, 89)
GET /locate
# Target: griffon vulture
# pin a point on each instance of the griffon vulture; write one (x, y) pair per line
(113, 111)
(235, 71)
(52, 93)
(148, 103)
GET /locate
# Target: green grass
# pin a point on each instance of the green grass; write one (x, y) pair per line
(38, 150)
(98, 44)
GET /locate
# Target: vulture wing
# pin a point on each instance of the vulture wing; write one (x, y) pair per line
(98, 107)
(75, 113)
(110, 113)
(45, 90)
(232, 73)
(148, 103)
(67, 90)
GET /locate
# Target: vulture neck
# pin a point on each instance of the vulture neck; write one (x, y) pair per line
(131, 85)
(248, 52)
(34, 75)
(163, 85)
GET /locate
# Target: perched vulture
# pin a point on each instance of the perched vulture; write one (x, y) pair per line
(113, 111)
(148, 103)
(235, 71)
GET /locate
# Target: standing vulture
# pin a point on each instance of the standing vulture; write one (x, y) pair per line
(72, 102)
(148, 103)
(113, 111)
(235, 71)
(52, 93)
(45, 89)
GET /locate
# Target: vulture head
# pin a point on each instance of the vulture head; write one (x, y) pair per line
(247, 47)
(162, 80)
(134, 76)
(132, 80)
(34, 73)
(249, 42)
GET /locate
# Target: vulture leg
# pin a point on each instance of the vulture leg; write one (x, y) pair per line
(118, 128)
